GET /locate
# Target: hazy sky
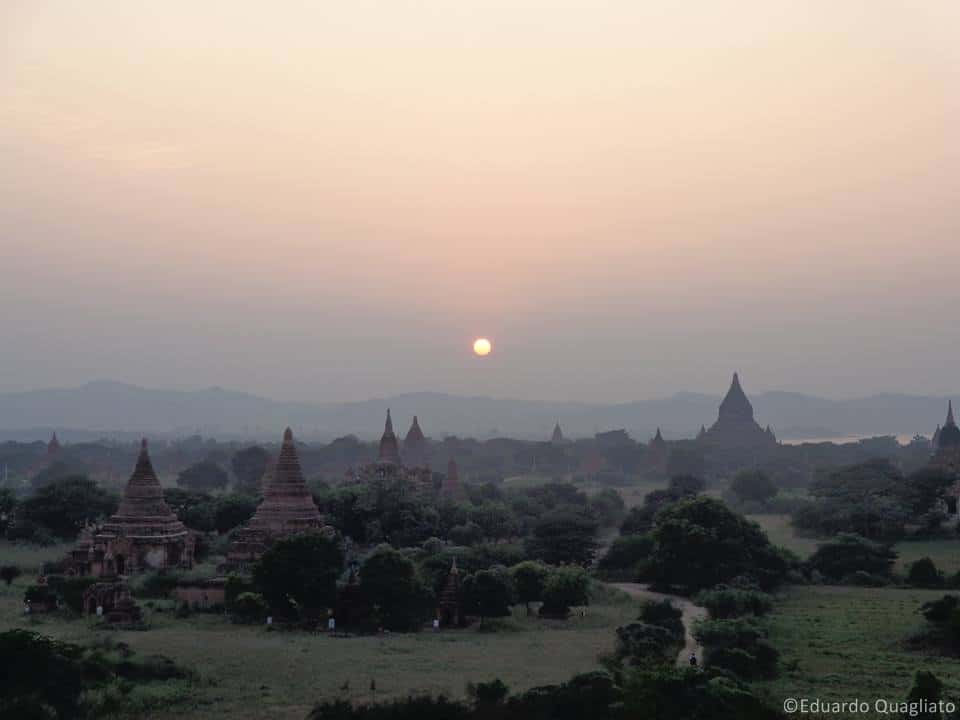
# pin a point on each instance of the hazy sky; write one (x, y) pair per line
(330, 200)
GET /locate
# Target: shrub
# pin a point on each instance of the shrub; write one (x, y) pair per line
(924, 573)
(723, 602)
(662, 613)
(626, 553)
(565, 587)
(248, 608)
(642, 643)
(849, 553)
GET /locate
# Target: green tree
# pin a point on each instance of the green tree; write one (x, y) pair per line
(65, 505)
(754, 486)
(232, 511)
(923, 573)
(529, 581)
(565, 587)
(204, 476)
(564, 536)
(300, 573)
(42, 677)
(391, 585)
(849, 553)
(488, 593)
(8, 501)
(249, 466)
(699, 542)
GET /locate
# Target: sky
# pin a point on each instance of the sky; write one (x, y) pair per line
(330, 200)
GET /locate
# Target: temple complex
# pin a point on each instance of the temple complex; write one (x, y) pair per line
(287, 508)
(735, 426)
(946, 454)
(658, 453)
(389, 467)
(144, 534)
(415, 446)
(449, 609)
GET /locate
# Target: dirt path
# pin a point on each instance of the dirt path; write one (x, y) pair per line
(691, 614)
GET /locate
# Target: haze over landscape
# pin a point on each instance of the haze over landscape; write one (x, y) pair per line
(329, 202)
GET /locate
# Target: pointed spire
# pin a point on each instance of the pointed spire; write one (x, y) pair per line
(287, 436)
(415, 446)
(950, 420)
(557, 437)
(53, 447)
(453, 567)
(658, 441)
(735, 405)
(389, 449)
(949, 435)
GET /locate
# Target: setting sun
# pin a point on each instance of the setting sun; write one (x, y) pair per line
(482, 346)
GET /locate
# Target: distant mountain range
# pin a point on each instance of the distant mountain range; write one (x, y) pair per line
(118, 410)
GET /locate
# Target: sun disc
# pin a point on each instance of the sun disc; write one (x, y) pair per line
(482, 346)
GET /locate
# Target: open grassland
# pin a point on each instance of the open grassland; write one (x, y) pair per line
(945, 552)
(842, 643)
(249, 672)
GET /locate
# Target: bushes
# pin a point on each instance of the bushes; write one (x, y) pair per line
(923, 573)
(663, 614)
(738, 646)
(625, 555)
(248, 608)
(642, 644)
(9, 573)
(848, 554)
(723, 602)
(155, 585)
(565, 587)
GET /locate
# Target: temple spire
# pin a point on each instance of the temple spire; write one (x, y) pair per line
(557, 436)
(389, 449)
(950, 420)
(53, 447)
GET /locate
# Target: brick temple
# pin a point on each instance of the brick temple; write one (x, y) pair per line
(144, 534)
(287, 508)
(735, 426)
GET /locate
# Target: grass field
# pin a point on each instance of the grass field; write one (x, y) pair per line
(249, 672)
(944, 552)
(841, 643)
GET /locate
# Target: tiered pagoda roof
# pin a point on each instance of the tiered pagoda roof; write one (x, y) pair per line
(389, 448)
(415, 445)
(735, 425)
(658, 442)
(287, 507)
(143, 513)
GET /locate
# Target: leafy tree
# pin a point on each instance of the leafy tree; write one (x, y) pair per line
(739, 646)
(65, 505)
(300, 572)
(529, 581)
(42, 677)
(662, 691)
(608, 507)
(662, 613)
(232, 511)
(626, 553)
(923, 573)
(565, 587)
(564, 536)
(390, 583)
(642, 644)
(58, 470)
(724, 602)
(249, 466)
(488, 593)
(640, 519)
(849, 553)
(468, 533)
(249, 608)
(699, 542)
(926, 489)
(205, 476)
(753, 485)
(9, 573)
(866, 498)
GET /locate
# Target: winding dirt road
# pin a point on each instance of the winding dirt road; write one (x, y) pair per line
(691, 614)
